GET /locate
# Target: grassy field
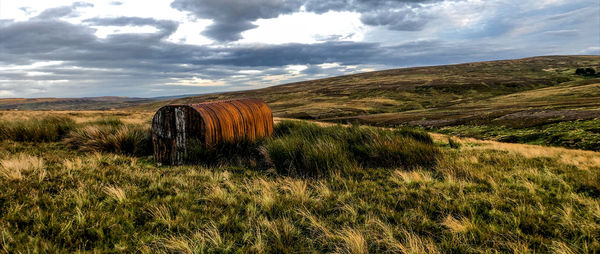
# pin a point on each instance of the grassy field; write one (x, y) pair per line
(76, 185)
(514, 96)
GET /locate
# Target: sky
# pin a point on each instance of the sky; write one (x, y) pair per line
(141, 48)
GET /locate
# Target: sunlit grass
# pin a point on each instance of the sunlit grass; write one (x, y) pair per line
(481, 197)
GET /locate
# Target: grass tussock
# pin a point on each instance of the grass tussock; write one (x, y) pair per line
(125, 139)
(307, 149)
(21, 166)
(44, 129)
(301, 148)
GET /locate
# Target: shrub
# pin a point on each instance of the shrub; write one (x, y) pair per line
(126, 139)
(46, 129)
(585, 72)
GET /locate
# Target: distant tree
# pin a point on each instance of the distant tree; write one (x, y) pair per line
(585, 71)
(590, 72)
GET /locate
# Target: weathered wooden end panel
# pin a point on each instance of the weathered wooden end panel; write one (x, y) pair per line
(175, 127)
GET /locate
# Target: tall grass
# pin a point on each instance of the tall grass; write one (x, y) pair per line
(301, 148)
(108, 120)
(123, 139)
(306, 149)
(45, 129)
(476, 199)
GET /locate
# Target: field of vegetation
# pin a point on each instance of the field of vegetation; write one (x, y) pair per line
(516, 100)
(85, 181)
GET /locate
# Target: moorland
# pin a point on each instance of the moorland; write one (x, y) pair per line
(365, 170)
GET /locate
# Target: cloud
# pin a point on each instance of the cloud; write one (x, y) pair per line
(565, 33)
(232, 17)
(400, 20)
(165, 27)
(62, 11)
(38, 37)
(403, 33)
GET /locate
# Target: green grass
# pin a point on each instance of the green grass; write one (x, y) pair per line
(110, 120)
(573, 134)
(45, 129)
(123, 139)
(306, 149)
(471, 200)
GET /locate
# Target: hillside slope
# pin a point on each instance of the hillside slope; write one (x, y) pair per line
(407, 89)
(523, 100)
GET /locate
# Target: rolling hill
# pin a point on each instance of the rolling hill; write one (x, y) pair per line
(423, 95)
(86, 103)
(522, 100)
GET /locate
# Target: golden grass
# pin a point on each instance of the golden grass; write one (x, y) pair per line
(399, 176)
(162, 214)
(17, 167)
(296, 189)
(115, 193)
(128, 117)
(461, 225)
(579, 158)
(353, 241)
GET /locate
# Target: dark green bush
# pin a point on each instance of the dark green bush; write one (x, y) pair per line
(126, 139)
(46, 129)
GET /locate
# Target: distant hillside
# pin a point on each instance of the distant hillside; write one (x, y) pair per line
(88, 103)
(538, 100)
(420, 95)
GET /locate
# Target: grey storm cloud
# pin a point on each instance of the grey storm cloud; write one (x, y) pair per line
(137, 60)
(142, 54)
(402, 20)
(232, 17)
(147, 55)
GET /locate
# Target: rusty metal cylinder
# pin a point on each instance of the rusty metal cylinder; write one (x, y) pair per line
(176, 127)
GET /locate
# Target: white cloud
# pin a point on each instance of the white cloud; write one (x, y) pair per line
(198, 82)
(305, 27)
(296, 69)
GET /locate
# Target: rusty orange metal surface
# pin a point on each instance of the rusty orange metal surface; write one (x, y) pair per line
(175, 126)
